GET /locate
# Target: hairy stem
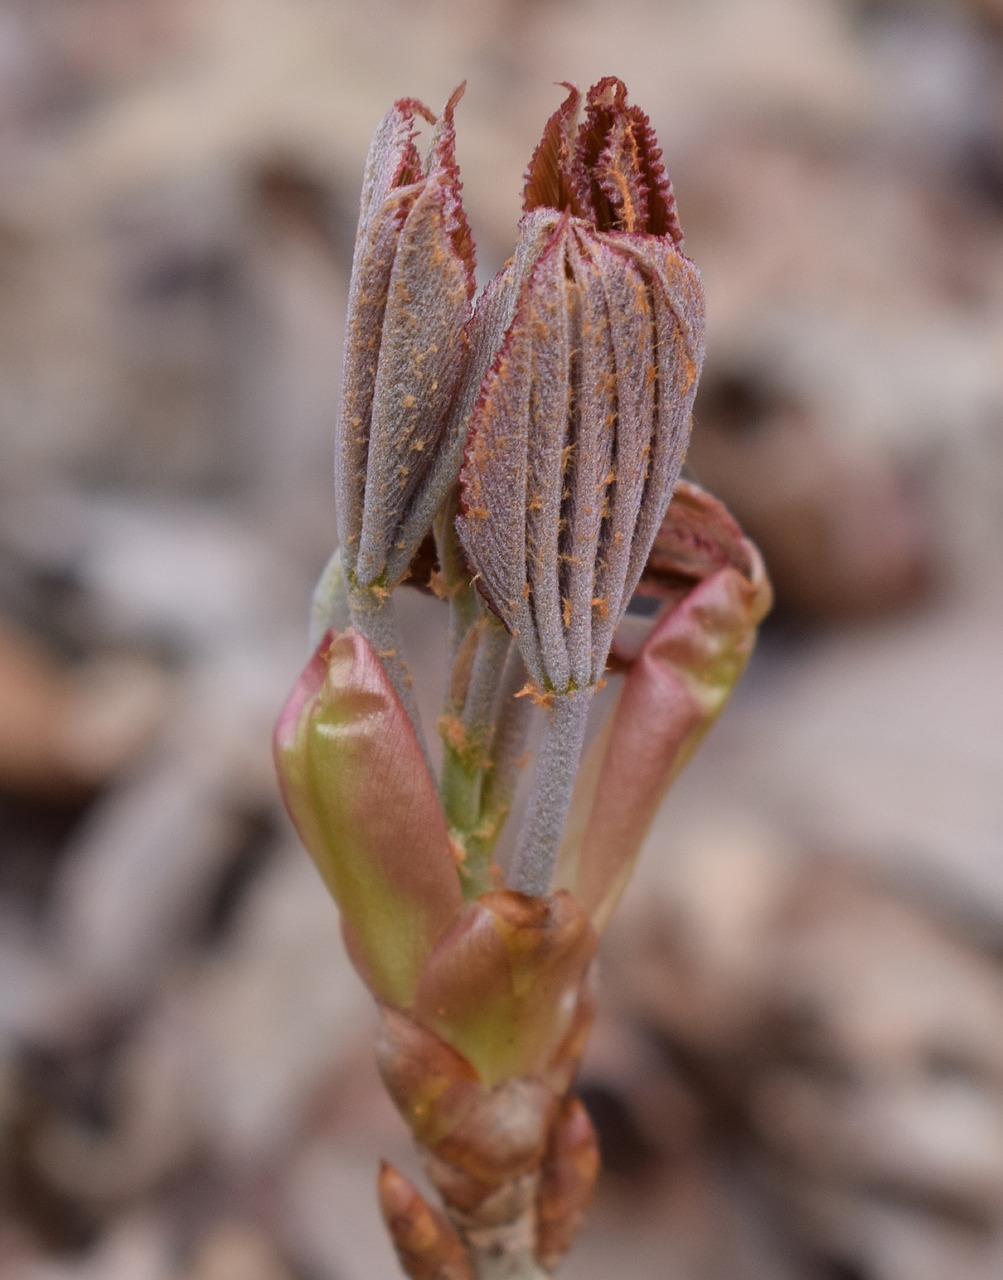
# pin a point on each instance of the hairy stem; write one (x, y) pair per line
(550, 799)
(469, 733)
(464, 605)
(514, 718)
(373, 616)
(329, 605)
(486, 674)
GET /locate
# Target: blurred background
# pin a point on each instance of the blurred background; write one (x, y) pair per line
(798, 1069)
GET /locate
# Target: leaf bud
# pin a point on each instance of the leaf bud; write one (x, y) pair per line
(579, 433)
(409, 302)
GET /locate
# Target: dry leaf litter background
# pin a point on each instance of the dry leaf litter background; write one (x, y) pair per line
(799, 1068)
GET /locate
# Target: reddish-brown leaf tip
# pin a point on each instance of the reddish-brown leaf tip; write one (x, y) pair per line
(442, 164)
(547, 182)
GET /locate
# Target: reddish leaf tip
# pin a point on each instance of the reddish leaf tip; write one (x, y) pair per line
(548, 174)
(442, 166)
(411, 107)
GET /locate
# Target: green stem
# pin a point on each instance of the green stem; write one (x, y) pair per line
(556, 766)
(469, 738)
(460, 789)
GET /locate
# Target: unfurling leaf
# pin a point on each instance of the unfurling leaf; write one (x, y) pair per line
(582, 423)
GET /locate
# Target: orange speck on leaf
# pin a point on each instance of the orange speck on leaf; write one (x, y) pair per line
(539, 696)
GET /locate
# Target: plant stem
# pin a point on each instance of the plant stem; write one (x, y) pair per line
(505, 1250)
(486, 674)
(329, 605)
(373, 616)
(508, 1266)
(464, 606)
(469, 737)
(515, 715)
(550, 799)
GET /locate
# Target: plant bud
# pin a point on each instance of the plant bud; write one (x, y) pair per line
(503, 986)
(578, 436)
(427, 1244)
(409, 301)
(567, 1184)
(356, 785)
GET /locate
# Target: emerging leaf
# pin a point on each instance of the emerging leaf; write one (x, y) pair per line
(409, 301)
(581, 427)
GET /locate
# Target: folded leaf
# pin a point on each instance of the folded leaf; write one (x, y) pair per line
(397, 450)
